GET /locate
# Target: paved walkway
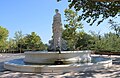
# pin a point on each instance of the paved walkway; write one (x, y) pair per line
(113, 72)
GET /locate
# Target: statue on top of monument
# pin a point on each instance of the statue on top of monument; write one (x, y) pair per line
(57, 30)
(57, 16)
(57, 41)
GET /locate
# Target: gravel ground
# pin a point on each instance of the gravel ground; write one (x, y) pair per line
(113, 72)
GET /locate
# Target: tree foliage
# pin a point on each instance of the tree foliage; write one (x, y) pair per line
(33, 42)
(71, 27)
(11, 47)
(109, 42)
(92, 10)
(18, 36)
(84, 41)
(19, 40)
(21, 43)
(3, 37)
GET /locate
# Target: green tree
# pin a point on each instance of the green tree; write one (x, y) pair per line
(3, 37)
(19, 40)
(11, 45)
(98, 41)
(92, 10)
(107, 42)
(84, 41)
(33, 42)
(112, 42)
(71, 27)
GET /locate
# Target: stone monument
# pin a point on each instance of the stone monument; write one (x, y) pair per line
(57, 43)
(57, 30)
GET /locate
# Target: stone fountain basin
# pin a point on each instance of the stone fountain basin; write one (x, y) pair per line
(51, 57)
(44, 62)
(20, 66)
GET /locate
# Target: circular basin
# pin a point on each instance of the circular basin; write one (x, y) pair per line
(20, 65)
(51, 57)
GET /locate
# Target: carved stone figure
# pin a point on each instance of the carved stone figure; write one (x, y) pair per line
(57, 30)
(57, 42)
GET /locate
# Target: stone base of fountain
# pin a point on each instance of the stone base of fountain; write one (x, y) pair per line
(51, 57)
(58, 68)
(46, 62)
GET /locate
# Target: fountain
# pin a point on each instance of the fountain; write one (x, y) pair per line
(57, 61)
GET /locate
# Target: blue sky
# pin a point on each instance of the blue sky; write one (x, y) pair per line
(36, 16)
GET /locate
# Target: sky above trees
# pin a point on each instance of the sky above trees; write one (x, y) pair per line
(37, 16)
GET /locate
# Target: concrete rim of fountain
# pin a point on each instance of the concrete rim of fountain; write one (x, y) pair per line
(58, 68)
